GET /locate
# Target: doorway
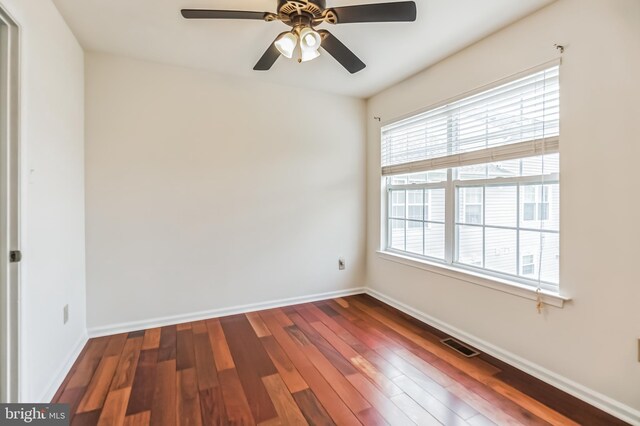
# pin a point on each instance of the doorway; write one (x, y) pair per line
(10, 255)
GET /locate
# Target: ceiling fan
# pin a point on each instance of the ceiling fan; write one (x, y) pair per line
(303, 40)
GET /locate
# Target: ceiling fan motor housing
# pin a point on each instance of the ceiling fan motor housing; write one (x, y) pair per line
(314, 8)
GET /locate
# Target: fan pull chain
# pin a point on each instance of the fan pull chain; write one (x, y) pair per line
(539, 302)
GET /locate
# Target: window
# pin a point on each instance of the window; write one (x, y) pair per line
(475, 183)
(528, 267)
(536, 203)
(422, 231)
(472, 205)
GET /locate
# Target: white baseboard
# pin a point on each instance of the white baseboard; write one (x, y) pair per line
(603, 402)
(60, 375)
(214, 313)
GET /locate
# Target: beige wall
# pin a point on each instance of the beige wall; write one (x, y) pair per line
(593, 340)
(52, 196)
(208, 192)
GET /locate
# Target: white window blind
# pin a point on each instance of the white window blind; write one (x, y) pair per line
(475, 183)
(513, 120)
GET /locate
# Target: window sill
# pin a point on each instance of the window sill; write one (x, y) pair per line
(548, 298)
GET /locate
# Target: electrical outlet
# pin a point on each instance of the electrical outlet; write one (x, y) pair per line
(341, 264)
(65, 314)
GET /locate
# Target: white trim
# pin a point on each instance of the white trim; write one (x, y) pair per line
(505, 286)
(410, 186)
(215, 313)
(590, 396)
(550, 179)
(61, 374)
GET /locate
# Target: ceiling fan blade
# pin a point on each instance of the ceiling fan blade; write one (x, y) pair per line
(404, 11)
(340, 52)
(269, 57)
(222, 14)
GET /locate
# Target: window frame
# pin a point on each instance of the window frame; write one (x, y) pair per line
(451, 187)
(547, 143)
(425, 221)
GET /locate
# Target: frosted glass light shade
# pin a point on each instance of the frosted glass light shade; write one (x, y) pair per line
(309, 39)
(308, 54)
(286, 44)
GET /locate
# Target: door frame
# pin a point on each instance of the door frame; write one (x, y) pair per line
(9, 207)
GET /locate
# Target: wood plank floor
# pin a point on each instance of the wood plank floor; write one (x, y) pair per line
(346, 361)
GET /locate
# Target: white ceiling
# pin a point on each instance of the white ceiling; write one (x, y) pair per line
(154, 30)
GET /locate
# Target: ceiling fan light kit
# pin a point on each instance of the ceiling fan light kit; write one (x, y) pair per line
(303, 41)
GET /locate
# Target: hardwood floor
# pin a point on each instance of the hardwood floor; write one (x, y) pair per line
(346, 361)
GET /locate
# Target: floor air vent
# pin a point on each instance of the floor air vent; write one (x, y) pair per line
(459, 347)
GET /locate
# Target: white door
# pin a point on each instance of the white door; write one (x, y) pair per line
(10, 255)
